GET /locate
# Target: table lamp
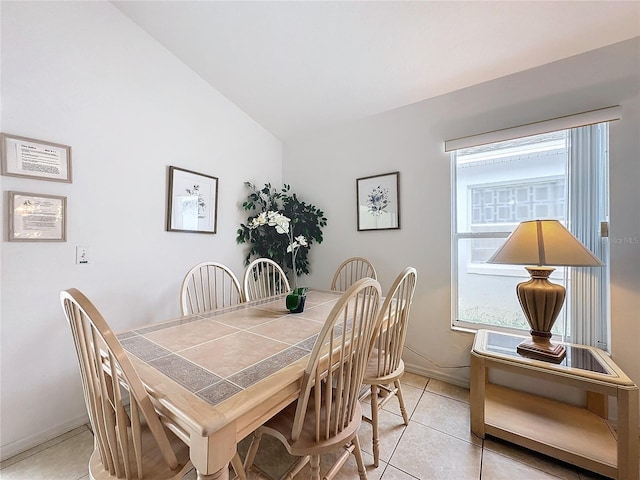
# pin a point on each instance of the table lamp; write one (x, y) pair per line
(540, 244)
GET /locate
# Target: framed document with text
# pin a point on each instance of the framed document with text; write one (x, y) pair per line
(36, 217)
(27, 157)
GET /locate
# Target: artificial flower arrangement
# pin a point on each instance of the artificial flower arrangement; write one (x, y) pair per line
(282, 229)
(282, 226)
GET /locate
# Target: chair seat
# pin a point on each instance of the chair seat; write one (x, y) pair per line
(371, 376)
(282, 424)
(153, 466)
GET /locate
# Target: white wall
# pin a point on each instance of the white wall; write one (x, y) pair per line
(82, 74)
(79, 73)
(324, 165)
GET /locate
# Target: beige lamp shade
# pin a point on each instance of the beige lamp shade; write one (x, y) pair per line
(544, 242)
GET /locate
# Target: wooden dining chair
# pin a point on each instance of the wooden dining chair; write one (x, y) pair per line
(128, 442)
(327, 414)
(209, 286)
(351, 270)
(385, 366)
(264, 278)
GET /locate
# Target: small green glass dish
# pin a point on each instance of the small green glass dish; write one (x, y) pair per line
(296, 300)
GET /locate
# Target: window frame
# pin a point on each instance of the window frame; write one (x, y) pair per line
(573, 123)
(500, 226)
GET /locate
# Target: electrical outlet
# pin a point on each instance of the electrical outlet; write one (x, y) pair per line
(82, 255)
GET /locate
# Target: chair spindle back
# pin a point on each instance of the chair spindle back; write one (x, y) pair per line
(209, 286)
(333, 376)
(264, 278)
(395, 309)
(350, 271)
(109, 380)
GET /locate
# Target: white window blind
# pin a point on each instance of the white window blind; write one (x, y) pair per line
(591, 117)
(588, 193)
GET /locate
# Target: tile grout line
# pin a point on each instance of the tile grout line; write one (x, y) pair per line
(402, 435)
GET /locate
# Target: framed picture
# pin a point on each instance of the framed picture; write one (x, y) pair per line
(378, 202)
(27, 157)
(192, 202)
(36, 217)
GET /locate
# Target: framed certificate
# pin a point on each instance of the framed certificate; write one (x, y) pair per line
(27, 157)
(35, 217)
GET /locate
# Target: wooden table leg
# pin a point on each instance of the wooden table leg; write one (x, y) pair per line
(598, 403)
(628, 433)
(219, 475)
(477, 394)
(211, 455)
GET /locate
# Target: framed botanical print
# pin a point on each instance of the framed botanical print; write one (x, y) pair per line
(378, 202)
(192, 201)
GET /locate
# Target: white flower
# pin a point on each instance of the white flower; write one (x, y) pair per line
(258, 221)
(273, 219)
(281, 224)
(276, 219)
(298, 242)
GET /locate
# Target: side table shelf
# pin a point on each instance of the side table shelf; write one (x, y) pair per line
(568, 433)
(577, 435)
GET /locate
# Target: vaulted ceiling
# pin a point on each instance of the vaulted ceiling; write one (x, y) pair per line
(299, 65)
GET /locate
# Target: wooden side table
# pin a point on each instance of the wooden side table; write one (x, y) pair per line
(577, 435)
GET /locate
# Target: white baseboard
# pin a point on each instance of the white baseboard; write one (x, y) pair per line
(14, 448)
(436, 374)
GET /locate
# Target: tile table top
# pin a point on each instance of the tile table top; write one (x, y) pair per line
(220, 353)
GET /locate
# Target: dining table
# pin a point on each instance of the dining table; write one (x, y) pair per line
(214, 377)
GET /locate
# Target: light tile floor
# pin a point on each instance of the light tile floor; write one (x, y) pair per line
(437, 444)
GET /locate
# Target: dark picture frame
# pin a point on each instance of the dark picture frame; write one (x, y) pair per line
(192, 201)
(378, 202)
(37, 159)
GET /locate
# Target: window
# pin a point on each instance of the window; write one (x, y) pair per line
(556, 175)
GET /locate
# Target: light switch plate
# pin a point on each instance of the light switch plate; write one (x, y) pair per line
(82, 255)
